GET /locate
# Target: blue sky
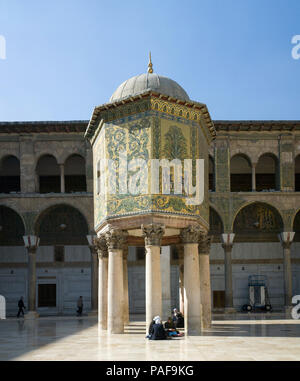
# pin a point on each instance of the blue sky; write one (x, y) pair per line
(63, 57)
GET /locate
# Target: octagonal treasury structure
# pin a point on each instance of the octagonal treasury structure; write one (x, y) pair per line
(143, 129)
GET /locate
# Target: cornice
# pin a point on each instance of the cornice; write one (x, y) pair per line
(151, 100)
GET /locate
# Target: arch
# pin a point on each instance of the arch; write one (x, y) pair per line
(12, 227)
(10, 174)
(256, 222)
(48, 174)
(75, 175)
(61, 224)
(216, 226)
(240, 173)
(296, 226)
(211, 174)
(267, 172)
(297, 173)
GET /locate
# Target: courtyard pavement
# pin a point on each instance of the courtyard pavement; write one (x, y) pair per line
(268, 337)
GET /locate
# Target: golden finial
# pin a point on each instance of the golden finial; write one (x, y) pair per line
(150, 66)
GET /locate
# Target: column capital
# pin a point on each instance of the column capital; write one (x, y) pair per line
(204, 245)
(191, 234)
(116, 238)
(101, 247)
(31, 243)
(153, 234)
(286, 239)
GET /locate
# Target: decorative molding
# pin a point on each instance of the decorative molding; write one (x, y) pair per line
(101, 247)
(153, 234)
(115, 238)
(204, 245)
(192, 233)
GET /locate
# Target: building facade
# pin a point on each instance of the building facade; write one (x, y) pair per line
(47, 191)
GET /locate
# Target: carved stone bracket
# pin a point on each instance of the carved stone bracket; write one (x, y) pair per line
(116, 238)
(191, 234)
(204, 244)
(153, 234)
(101, 247)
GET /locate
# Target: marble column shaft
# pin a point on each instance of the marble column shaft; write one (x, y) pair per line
(94, 278)
(125, 285)
(205, 286)
(153, 234)
(192, 298)
(165, 263)
(115, 239)
(32, 279)
(102, 282)
(228, 276)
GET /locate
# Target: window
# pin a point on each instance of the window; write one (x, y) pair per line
(59, 253)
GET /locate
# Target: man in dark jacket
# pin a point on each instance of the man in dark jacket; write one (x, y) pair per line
(21, 306)
(157, 331)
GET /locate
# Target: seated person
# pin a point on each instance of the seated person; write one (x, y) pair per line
(169, 324)
(157, 331)
(170, 328)
(180, 320)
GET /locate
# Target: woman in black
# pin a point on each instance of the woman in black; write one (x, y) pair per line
(157, 331)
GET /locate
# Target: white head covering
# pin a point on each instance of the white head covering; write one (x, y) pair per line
(157, 320)
(156, 317)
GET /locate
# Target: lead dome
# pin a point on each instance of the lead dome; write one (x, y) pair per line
(149, 81)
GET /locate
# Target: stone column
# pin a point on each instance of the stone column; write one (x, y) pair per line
(165, 267)
(125, 285)
(205, 289)
(192, 298)
(102, 281)
(153, 234)
(181, 277)
(286, 239)
(62, 178)
(227, 240)
(94, 273)
(253, 177)
(31, 244)
(115, 238)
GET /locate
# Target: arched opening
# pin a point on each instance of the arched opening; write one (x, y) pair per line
(297, 174)
(75, 179)
(62, 230)
(267, 173)
(240, 174)
(48, 173)
(211, 182)
(11, 227)
(62, 225)
(257, 222)
(10, 175)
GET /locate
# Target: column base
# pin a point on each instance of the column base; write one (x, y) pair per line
(229, 310)
(31, 315)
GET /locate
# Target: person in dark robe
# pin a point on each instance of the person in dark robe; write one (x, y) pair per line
(157, 331)
(21, 307)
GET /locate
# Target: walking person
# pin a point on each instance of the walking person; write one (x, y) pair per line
(21, 307)
(79, 306)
